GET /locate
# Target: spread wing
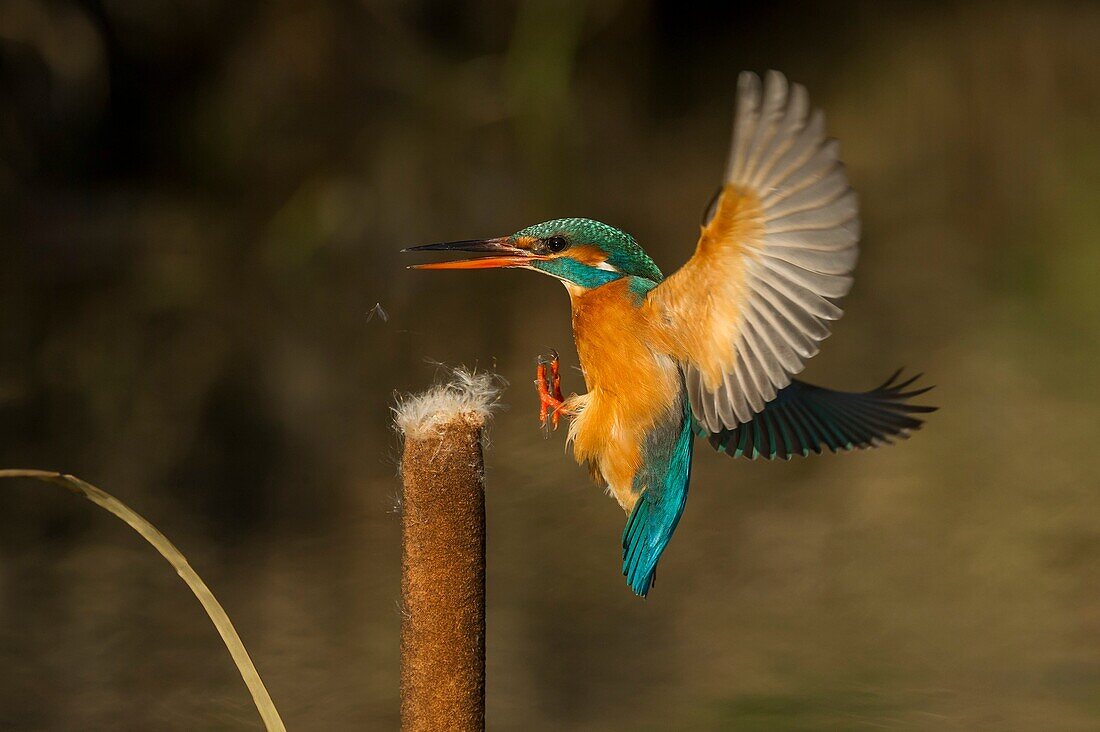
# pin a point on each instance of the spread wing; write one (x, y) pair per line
(777, 248)
(804, 417)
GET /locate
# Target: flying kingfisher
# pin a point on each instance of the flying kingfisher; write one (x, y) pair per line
(710, 350)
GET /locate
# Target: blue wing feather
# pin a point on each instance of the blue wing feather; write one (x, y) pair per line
(663, 482)
(804, 417)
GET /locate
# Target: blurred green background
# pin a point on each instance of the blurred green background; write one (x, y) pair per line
(201, 200)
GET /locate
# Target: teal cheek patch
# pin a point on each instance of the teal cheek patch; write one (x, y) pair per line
(576, 272)
(640, 287)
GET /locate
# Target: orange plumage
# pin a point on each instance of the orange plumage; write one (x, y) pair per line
(631, 386)
(704, 329)
(629, 350)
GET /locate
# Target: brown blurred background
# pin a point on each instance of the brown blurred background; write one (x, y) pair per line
(201, 200)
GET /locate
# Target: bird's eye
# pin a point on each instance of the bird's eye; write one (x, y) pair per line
(556, 243)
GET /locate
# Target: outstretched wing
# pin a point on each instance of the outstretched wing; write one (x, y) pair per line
(804, 417)
(752, 304)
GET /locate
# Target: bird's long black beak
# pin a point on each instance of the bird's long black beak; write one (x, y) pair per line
(508, 255)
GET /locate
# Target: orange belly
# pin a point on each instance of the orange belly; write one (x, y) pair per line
(631, 386)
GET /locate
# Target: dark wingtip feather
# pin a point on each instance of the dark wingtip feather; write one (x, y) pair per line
(805, 418)
(907, 382)
(890, 380)
(911, 394)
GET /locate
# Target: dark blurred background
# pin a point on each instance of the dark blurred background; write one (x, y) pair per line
(201, 201)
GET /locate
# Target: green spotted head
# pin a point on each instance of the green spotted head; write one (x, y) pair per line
(582, 252)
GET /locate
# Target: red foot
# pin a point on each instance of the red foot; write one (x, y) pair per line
(551, 401)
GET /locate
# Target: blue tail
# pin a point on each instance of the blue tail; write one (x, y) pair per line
(663, 482)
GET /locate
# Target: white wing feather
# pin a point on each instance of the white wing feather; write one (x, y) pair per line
(800, 261)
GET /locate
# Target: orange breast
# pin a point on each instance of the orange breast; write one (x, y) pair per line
(631, 384)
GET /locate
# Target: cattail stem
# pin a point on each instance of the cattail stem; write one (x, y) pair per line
(443, 556)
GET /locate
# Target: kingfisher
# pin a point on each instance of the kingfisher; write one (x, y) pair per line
(711, 350)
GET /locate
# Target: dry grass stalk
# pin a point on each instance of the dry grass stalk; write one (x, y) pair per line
(213, 608)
